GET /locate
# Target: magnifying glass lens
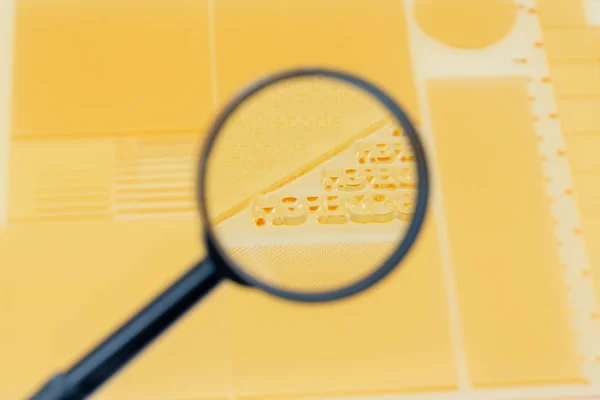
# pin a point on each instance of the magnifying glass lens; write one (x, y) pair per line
(311, 185)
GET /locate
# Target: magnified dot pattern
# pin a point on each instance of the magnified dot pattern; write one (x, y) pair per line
(312, 268)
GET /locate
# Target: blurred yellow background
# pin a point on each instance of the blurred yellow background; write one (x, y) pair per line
(498, 299)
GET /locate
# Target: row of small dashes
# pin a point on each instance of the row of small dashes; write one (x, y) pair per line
(576, 273)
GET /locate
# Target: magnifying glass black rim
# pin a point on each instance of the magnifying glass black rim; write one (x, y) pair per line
(229, 267)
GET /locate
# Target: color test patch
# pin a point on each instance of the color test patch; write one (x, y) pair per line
(503, 248)
(97, 67)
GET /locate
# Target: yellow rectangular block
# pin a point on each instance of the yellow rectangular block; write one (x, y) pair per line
(596, 33)
(591, 234)
(512, 303)
(72, 283)
(579, 115)
(576, 79)
(587, 188)
(561, 12)
(582, 151)
(314, 32)
(98, 67)
(571, 43)
(393, 338)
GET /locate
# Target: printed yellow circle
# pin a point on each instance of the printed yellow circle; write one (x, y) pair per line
(466, 24)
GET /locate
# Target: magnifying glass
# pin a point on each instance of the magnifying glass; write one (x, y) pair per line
(312, 186)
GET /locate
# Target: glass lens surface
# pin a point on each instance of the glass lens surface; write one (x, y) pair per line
(310, 185)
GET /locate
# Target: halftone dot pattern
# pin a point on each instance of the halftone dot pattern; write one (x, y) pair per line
(313, 268)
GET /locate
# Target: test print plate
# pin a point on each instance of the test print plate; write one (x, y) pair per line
(110, 102)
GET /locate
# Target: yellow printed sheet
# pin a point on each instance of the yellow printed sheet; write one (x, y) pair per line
(109, 103)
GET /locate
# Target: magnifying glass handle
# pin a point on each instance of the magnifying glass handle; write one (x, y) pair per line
(88, 374)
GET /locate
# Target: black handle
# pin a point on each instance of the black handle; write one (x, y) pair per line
(106, 359)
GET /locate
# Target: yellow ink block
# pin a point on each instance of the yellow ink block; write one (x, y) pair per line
(587, 193)
(248, 46)
(591, 231)
(576, 79)
(582, 152)
(466, 24)
(571, 43)
(511, 297)
(106, 67)
(579, 115)
(561, 13)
